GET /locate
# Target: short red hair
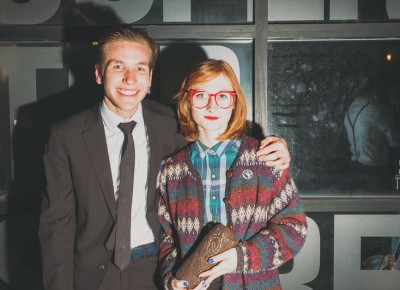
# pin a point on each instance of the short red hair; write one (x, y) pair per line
(202, 73)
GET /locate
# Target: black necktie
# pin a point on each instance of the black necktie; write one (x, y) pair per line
(122, 254)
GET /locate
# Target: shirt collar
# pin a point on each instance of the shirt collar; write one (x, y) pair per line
(218, 149)
(111, 120)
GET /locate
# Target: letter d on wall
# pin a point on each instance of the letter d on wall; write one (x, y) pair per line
(31, 12)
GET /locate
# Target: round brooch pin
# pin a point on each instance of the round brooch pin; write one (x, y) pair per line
(247, 174)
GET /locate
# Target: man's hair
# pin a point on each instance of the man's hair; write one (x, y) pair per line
(202, 73)
(126, 33)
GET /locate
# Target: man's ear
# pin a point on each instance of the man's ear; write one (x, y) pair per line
(150, 83)
(151, 76)
(98, 73)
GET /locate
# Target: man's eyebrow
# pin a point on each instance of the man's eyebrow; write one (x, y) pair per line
(143, 63)
(114, 61)
(118, 61)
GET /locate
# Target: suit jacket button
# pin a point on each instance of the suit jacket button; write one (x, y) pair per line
(101, 268)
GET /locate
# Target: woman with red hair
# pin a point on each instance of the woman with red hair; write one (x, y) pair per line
(218, 178)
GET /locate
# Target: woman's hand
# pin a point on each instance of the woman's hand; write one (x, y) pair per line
(179, 284)
(183, 285)
(226, 262)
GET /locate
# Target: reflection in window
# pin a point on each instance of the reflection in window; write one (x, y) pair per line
(338, 106)
(333, 10)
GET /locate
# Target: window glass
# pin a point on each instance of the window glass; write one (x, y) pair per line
(337, 104)
(333, 10)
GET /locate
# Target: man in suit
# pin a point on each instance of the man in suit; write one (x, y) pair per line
(80, 209)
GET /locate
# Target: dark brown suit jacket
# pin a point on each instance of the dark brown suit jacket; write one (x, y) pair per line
(78, 206)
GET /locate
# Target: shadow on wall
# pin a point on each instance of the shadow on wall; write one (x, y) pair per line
(174, 63)
(20, 260)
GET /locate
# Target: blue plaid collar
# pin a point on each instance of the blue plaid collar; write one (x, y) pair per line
(219, 149)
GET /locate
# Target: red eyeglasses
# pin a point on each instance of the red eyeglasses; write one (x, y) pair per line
(223, 99)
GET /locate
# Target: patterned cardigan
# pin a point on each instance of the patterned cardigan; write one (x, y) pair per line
(263, 208)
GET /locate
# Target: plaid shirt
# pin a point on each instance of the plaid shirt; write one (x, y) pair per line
(212, 164)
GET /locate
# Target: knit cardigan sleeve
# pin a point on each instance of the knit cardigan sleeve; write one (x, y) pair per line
(285, 228)
(168, 251)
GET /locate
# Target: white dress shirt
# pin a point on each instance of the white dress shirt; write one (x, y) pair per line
(371, 131)
(141, 232)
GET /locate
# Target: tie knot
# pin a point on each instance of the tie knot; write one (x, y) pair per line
(127, 128)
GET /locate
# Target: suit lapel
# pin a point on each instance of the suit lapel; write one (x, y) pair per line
(152, 127)
(95, 140)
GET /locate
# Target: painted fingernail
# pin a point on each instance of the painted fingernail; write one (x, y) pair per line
(200, 276)
(185, 283)
(211, 261)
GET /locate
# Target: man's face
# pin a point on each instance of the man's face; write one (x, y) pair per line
(126, 76)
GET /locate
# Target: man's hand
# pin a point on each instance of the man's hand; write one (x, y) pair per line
(273, 150)
(226, 262)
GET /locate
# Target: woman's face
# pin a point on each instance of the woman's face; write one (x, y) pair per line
(212, 118)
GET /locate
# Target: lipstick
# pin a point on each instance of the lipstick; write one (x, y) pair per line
(212, 118)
